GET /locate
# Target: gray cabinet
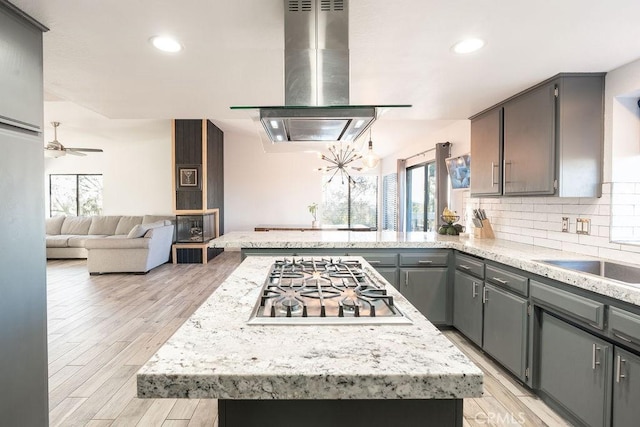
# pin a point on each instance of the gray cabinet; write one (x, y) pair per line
(551, 138)
(626, 389)
(390, 274)
(467, 306)
(426, 289)
(486, 152)
(21, 96)
(575, 370)
(529, 142)
(505, 328)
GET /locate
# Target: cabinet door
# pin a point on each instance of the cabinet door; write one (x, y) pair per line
(529, 142)
(486, 142)
(626, 388)
(575, 370)
(390, 274)
(505, 328)
(21, 96)
(467, 306)
(426, 289)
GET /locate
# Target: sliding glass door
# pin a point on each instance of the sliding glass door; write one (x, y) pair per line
(421, 197)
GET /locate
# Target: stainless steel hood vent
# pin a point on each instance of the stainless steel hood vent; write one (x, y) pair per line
(316, 65)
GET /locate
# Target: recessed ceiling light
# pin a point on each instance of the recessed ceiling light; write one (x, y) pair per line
(166, 44)
(468, 46)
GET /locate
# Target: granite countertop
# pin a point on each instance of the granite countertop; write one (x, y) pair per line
(215, 354)
(517, 255)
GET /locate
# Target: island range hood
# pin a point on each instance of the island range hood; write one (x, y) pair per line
(316, 64)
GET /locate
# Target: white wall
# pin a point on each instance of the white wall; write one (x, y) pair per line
(265, 188)
(136, 165)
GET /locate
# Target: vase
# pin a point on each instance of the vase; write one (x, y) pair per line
(315, 224)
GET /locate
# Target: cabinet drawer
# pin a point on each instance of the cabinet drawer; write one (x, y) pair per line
(571, 305)
(379, 260)
(506, 279)
(425, 259)
(472, 266)
(625, 325)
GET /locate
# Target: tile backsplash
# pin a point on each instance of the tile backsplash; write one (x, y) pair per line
(614, 219)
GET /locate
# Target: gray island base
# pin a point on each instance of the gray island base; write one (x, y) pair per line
(340, 413)
(310, 375)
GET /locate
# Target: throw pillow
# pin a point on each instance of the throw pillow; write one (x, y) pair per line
(137, 231)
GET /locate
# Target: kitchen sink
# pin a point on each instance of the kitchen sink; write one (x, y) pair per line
(610, 270)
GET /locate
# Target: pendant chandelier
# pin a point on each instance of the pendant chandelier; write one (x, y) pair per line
(371, 159)
(341, 158)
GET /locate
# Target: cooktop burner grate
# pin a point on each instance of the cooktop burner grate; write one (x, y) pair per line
(323, 290)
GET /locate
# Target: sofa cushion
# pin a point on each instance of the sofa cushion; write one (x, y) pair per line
(137, 231)
(104, 225)
(81, 241)
(57, 241)
(141, 229)
(53, 225)
(127, 223)
(78, 225)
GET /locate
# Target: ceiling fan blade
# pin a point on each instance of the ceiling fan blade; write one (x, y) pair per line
(75, 153)
(88, 150)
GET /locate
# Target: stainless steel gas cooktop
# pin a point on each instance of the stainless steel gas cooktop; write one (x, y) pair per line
(324, 291)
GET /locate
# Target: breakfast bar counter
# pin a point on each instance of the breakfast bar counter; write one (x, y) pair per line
(300, 368)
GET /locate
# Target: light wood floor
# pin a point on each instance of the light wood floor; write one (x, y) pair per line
(103, 328)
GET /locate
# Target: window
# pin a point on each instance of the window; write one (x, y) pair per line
(421, 197)
(75, 195)
(347, 206)
(390, 202)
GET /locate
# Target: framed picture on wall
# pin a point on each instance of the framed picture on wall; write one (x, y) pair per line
(188, 177)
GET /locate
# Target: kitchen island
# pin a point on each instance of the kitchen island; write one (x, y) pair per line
(310, 375)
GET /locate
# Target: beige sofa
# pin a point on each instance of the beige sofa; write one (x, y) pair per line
(112, 244)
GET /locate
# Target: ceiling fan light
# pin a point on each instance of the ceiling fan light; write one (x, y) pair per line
(53, 154)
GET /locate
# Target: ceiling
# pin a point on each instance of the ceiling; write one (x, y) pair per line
(97, 55)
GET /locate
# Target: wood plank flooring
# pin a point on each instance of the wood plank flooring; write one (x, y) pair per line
(101, 329)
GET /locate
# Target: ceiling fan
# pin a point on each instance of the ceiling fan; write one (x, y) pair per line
(55, 149)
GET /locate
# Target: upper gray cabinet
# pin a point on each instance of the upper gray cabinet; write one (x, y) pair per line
(21, 96)
(486, 152)
(549, 140)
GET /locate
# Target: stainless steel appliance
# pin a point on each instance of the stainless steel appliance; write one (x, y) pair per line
(324, 291)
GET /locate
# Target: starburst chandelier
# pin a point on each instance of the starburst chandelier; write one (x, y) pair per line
(340, 159)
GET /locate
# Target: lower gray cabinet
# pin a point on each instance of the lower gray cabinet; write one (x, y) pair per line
(626, 388)
(426, 289)
(390, 274)
(575, 371)
(467, 306)
(505, 329)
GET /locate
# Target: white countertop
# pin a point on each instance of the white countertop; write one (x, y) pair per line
(215, 354)
(517, 255)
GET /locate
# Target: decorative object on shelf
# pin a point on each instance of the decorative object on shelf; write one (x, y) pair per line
(188, 177)
(450, 228)
(54, 149)
(342, 155)
(313, 210)
(371, 159)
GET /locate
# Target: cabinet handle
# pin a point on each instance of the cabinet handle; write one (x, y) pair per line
(623, 338)
(474, 290)
(493, 179)
(485, 298)
(619, 375)
(594, 361)
(464, 267)
(499, 280)
(425, 261)
(406, 278)
(373, 262)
